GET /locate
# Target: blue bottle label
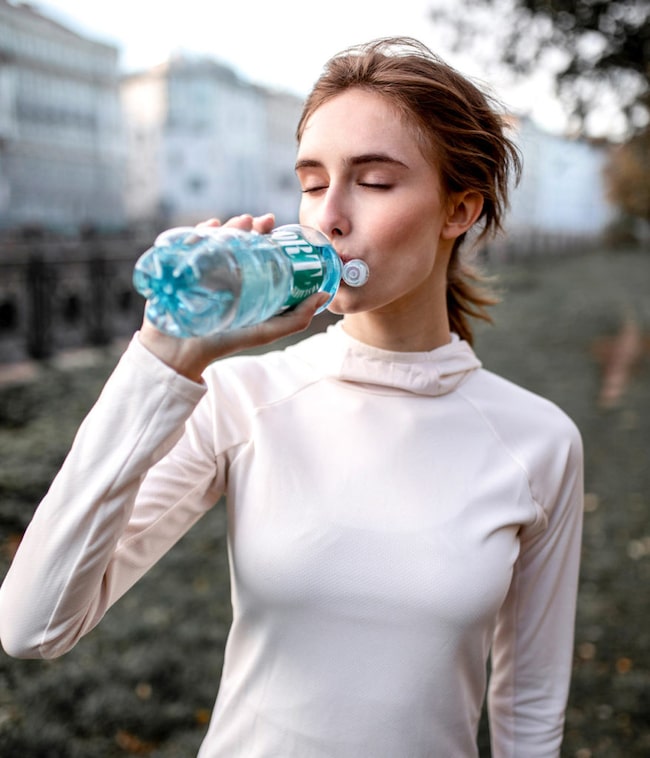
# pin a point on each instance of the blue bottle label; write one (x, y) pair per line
(307, 263)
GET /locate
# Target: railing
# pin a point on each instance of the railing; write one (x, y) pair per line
(55, 296)
(60, 295)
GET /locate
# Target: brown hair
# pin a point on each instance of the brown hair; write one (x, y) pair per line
(460, 127)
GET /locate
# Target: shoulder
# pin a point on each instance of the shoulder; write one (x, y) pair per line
(543, 439)
(262, 379)
(509, 406)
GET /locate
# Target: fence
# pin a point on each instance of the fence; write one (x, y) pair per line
(60, 295)
(527, 243)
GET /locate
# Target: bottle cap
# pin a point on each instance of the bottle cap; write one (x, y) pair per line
(356, 273)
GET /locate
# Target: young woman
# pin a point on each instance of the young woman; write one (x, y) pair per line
(395, 511)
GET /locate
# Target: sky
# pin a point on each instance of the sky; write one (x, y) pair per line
(278, 43)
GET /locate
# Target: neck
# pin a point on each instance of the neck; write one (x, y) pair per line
(400, 330)
(417, 322)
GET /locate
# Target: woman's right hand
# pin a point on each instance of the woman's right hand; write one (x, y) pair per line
(191, 356)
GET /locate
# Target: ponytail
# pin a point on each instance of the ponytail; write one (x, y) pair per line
(468, 296)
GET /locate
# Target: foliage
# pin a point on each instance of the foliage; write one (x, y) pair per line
(628, 176)
(599, 49)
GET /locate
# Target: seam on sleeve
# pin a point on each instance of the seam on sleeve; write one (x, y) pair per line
(539, 514)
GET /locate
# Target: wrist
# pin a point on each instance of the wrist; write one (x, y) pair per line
(184, 356)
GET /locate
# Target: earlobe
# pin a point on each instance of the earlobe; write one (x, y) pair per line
(464, 210)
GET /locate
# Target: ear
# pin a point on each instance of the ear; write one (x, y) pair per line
(463, 210)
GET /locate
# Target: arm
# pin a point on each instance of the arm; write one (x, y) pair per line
(141, 471)
(67, 570)
(533, 645)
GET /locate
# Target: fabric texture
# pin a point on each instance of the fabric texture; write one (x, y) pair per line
(392, 517)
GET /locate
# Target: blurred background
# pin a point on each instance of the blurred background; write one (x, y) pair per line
(120, 120)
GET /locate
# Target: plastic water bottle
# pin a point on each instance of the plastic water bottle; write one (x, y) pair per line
(204, 280)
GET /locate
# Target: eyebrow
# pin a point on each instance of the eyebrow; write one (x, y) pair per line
(356, 160)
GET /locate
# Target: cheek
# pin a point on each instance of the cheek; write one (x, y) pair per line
(412, 231)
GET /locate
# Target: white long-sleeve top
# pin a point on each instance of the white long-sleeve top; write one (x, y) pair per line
(392, 516)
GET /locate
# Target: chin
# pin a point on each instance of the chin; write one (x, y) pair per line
(341, 309)
(347, 301)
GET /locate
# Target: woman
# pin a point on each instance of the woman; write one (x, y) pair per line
(395, 511)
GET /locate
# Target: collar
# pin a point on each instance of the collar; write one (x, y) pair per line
(434, 372)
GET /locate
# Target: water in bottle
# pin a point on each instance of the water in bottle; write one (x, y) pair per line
(204, 280)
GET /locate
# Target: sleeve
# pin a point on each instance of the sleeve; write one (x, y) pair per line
(139, 474)
(532, 650)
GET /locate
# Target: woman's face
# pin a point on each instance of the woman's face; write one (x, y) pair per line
(368, 187)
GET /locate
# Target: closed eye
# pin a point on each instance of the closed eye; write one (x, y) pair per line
(376, 185)
(318, 188)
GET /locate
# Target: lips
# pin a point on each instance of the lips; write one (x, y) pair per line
(345, 257)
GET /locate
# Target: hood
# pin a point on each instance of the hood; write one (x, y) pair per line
(342, 357)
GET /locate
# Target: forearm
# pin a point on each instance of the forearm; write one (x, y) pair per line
(58, 585)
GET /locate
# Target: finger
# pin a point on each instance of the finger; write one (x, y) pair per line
(299, 318)
(309, 306)
(210, 222)
(289, 322)
(264, 224)
(245, 222)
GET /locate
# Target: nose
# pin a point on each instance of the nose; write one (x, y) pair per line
(332, 214)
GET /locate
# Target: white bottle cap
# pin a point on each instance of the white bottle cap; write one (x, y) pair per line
(356, 273)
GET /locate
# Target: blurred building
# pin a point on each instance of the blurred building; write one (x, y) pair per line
(562, 191)
(283, 189)
(202, 142)
(61, 156)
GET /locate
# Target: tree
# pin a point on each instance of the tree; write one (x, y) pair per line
(600, 49)
(627, 176)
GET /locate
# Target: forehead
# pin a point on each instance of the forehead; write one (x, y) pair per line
(358, 121)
